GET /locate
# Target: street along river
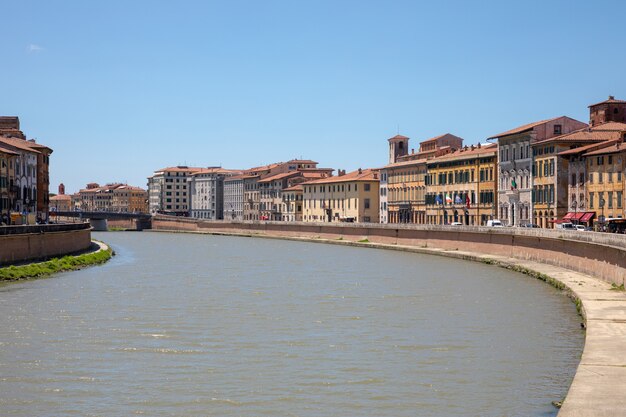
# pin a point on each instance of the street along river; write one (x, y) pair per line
(196, 325)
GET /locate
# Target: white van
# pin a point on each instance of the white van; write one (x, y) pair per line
(494, 223)
(568, 226)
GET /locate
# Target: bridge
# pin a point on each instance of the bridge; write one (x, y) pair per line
(99, 219)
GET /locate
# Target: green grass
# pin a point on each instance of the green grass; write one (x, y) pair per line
(54, 265)
(364, 240)
(616, 287)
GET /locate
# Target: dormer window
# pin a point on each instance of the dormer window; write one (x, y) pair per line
(557, 129)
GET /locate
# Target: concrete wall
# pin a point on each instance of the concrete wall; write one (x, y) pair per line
(42, 242)
(601, 255)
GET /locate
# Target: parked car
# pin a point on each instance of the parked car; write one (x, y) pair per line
(568, 226)
(581, 228)
(494, 223)
(456, 224)
(532, 225)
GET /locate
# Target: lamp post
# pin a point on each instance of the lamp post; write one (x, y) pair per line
(575, 207)
(601, 220)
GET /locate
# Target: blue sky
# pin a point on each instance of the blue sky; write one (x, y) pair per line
(121, 88)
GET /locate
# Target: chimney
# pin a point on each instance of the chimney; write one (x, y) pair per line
(412, 150)
(478, 145)
(375, 175)
(472, 147)
(360, 171)
(611, 97)
(61, 189)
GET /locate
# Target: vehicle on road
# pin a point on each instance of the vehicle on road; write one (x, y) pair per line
(494, 223)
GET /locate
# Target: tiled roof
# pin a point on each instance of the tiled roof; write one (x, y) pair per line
(7, 150)
(364, 175)
(436, 138)
(587, 148)
(611, 100)
(20, 144)
(584, 135)
(398, 137)
(610, 126)
(523, 128)
(215, 170)
(467, 152)
(61, 197)
(406, 163)
(179, 169)
(279, 176)
(237, 177)
(616, 146)
(297, 187)
(301, 161)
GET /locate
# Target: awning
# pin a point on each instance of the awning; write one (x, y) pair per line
(568, 216)
(587, 216)
(578, 215)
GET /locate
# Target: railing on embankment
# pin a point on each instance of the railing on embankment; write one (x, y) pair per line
(24, 243)
(602, 255)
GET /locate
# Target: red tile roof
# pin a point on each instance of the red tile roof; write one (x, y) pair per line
(398, 137)
(615, 147)
(297, 187)
(587, 148)
(467, 152)
(523, 128)
(179, 168)
(363, 175)
(279, 176)
(437, 138)
(611, 100)
(20, 144)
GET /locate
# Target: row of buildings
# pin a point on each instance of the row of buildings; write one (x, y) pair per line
(24, 175)
(115, 197)
(541, 173)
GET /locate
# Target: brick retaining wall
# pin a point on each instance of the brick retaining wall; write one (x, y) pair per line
(24, 243)
(598, 254)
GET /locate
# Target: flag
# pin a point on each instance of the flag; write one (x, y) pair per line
(467, 201)
(513, 184)
(448, 199)
(457, 199)
(438, 200)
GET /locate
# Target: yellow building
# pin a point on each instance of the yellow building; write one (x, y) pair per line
(605, 181)
(292, 203)
(462, 186)
(406, 191)
(130, 199)
(351, 197)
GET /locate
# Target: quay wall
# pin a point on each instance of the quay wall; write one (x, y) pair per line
(31, 243)
(601, 255)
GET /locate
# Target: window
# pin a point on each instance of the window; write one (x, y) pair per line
(590, 200)
(367, 203)
(619, 199)
(610, 199)
(366, 187)
(557, 129)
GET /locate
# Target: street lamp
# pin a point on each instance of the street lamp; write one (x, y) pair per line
(575, 207)
(601, 219)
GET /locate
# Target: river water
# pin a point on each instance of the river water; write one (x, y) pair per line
(192, 325)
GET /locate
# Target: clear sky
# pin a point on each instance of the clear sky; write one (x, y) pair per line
(121, 88)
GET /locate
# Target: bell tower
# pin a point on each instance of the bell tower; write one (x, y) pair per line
(398, 146)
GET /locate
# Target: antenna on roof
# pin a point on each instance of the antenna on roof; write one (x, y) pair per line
(398, 125)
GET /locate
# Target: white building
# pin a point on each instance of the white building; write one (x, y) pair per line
(206, 192)
(233, 198)
(168, 190)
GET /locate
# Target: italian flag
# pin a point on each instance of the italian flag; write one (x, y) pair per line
(513, 184)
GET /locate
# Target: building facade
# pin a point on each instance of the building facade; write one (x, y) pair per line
(462, 186)
(515, 162)
(351, 197)
(206, 192)
(169, 191)
(233, 198)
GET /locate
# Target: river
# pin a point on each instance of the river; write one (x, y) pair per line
(196, 325)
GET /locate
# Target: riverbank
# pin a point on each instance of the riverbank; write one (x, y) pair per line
(98, 253)
(601, 375)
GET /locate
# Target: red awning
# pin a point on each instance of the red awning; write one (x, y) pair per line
(568, 216)
(587, 216)
(579, 215)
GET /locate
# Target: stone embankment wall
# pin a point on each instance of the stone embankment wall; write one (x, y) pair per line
(25, 243)
(601, 255)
